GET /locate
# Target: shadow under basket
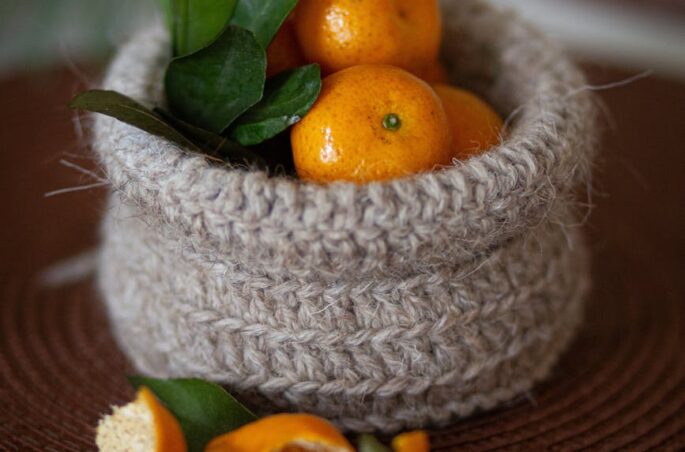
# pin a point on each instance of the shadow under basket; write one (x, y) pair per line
(384, 306)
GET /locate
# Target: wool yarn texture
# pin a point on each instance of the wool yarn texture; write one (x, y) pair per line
(384, 306)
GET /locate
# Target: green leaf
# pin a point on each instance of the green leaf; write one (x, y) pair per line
(212, 87)
(204, 410)
(196, 23)
(287, 98)
(127, 110)
(214, 144)
(369, 443)
(263, 17)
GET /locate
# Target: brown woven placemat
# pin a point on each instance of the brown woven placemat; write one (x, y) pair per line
(622, 384)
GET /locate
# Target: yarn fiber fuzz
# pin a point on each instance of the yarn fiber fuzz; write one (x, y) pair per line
(382, 306)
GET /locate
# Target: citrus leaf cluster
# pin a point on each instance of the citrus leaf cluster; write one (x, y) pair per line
(219, 100)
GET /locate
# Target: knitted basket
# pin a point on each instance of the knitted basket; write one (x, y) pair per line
(382, 306)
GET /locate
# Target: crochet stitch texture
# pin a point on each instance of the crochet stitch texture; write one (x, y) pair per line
(382, 306)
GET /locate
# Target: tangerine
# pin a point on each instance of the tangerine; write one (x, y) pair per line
(434, 73)
(341, 33)
(474, 124)
(284, 52)
(371, 122)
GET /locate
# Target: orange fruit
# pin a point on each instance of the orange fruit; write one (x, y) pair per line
(341, 33)
(475, 125)
(284, 52)
(283, 433)
(434, 73)
(416, 441)
(371, 122)
(144, 424)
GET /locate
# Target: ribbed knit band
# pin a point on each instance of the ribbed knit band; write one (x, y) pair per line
(381, 306)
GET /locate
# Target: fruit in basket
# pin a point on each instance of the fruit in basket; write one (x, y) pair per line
(371, 122)
(474, 124)
(434, 73)
(377, 117)
(144, 424)
(284, 52)
(341, 33)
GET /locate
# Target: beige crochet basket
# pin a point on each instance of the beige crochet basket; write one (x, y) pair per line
(381, 307)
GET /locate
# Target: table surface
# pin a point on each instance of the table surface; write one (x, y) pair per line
(622, 383)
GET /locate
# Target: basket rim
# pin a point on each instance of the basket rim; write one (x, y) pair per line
(511, 184)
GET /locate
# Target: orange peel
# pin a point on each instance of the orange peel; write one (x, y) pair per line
(416, 441)
(283, 433)
(142, 425)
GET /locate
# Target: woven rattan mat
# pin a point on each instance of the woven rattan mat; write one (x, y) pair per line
(622, 384)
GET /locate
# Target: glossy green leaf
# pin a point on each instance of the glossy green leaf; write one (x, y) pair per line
(127, 110)
(212, 87)
(214, 144)
(204, 410)
(196, 23)
(262, 17)
(287, 98)
(369, 443)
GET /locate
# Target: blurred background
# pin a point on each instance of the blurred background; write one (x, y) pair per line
(640, 34)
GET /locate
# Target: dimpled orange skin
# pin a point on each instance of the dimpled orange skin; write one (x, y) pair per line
(474, 124)
(284, 51)
(341, 33)
(343, 136)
